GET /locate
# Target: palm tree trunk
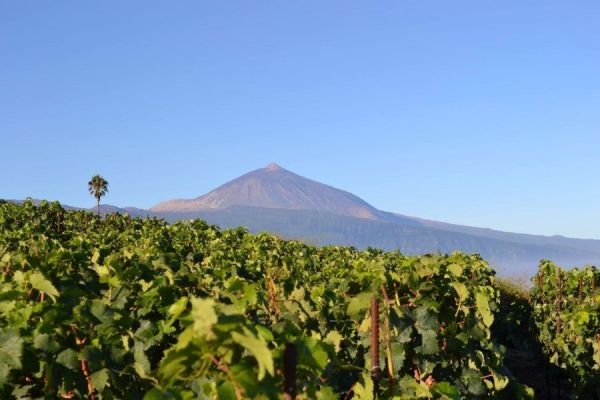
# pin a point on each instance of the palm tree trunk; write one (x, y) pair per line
(98, 206)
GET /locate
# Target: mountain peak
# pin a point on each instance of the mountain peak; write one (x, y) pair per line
(272, 167)
(275, 187)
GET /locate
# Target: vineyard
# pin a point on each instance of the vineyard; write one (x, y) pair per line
(115, 307)
(566, 309)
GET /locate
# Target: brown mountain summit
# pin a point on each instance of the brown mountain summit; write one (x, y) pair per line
(274, 187)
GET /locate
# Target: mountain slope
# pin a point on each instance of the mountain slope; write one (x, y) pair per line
(275, 187)
(132, 211)
(592, 245)
(323, 228)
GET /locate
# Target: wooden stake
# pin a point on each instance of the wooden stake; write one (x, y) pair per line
(559, 301)
(375, 371)
(542, 284)
(290, 359)
(593, 288)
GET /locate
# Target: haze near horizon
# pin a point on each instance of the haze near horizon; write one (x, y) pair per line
(471, 113)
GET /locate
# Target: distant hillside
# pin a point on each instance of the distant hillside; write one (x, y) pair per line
(104, 208)
(133, 211)
(38, 201)
(591, 245)
(323, 228)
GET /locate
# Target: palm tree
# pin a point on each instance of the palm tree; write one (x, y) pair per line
(98, 187)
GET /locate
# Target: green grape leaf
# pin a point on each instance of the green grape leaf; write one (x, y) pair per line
(455, 269)
(68, 358)
(334, 338)
(446, 391)
(11, 349)
(226, 391)
(483, 306)
(46, 343)
(39, 282)
(258, 348)
(312, 355)
(430, 343)
(141, 364)
(500, 381)
(178, 307)
(203, 315)
(461, 290)
(363, 390)
(327, 393)
(358, 304)
(100, 379)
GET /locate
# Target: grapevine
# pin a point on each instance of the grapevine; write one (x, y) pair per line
(566, 311)
(115, 307)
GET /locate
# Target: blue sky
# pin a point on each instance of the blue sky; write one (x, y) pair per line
(480, 113)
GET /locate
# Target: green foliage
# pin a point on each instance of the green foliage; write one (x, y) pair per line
(567, 316)
(139, 309)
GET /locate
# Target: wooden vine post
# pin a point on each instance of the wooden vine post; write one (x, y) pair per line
(593, 287)
(558, 301)
(375, 371)
(290, 359)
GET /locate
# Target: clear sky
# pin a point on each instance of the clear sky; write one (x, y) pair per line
(475, 112)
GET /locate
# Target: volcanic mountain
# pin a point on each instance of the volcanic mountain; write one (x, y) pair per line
(275, 187)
